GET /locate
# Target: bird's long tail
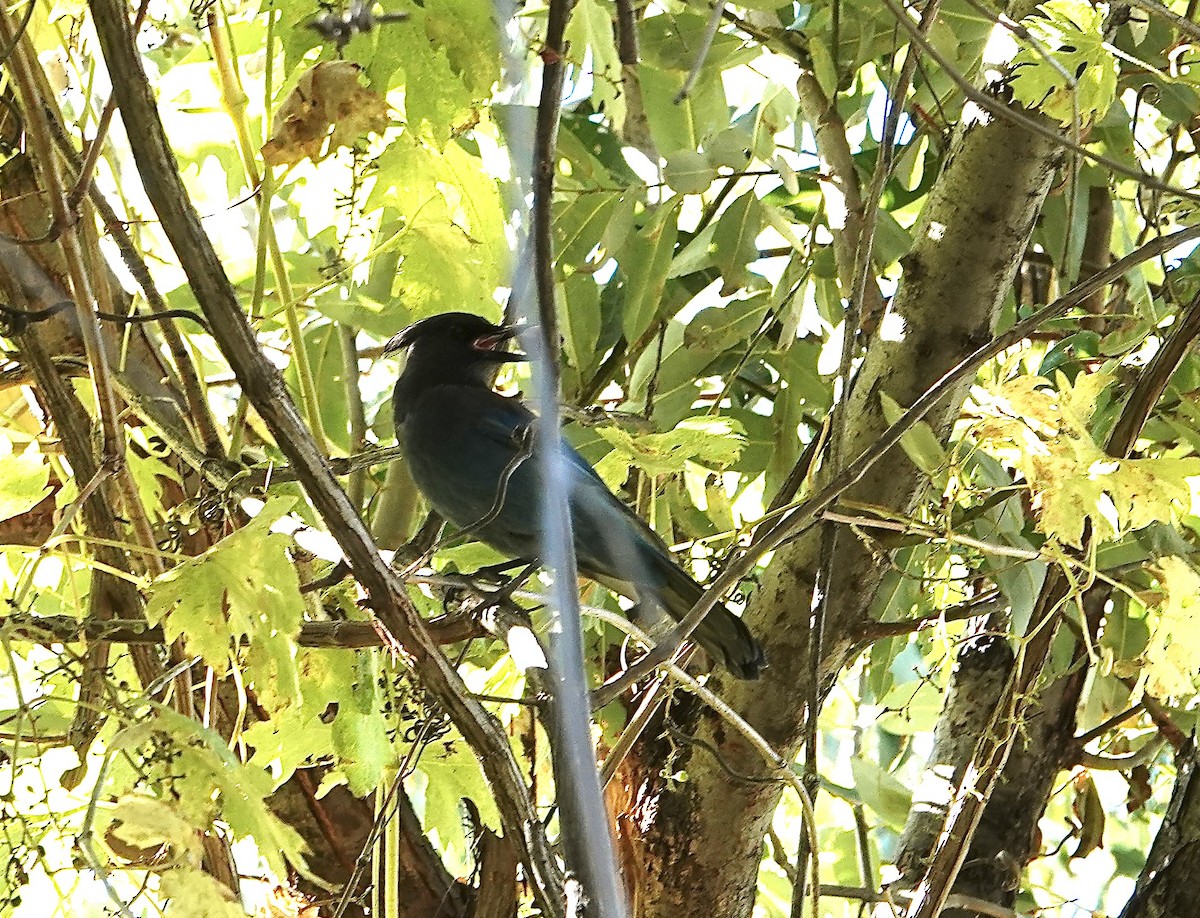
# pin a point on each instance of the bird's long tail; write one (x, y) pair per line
(729, 641)
(722, 634)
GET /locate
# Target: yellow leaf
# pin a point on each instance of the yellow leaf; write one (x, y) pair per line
(1172, 654)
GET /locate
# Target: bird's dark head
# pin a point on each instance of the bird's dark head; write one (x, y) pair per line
(451, 349)
(459, 339)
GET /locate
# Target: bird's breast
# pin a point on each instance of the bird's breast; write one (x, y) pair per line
(470, 471)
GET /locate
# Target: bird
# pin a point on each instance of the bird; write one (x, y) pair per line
(469, 451)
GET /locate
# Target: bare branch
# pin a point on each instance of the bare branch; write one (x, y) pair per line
(264, 388)
(66, 629)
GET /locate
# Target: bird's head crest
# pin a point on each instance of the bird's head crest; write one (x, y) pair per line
(459, 328)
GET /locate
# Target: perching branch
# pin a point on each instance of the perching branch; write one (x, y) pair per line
(340, 635)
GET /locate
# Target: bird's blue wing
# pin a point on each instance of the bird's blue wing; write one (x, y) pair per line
(470, 453)
(462, 443)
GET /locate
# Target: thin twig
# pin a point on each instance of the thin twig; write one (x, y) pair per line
(995, 745)
(38, 131)
(706, 41)
(234, 98)
(843, 187)
(356, 487)
(956, 901)
(781, 769)
(1111, 724)
(984, 604)
(801, 517)
(884, 163)
(1154, 8)
(84, 172)
(386, 809)
(193, 389)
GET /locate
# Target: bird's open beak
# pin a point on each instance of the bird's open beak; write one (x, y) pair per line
(494, 344)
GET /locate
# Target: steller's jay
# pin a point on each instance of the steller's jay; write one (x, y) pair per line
(469, 449)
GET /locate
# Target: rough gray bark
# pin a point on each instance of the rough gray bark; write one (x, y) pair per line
(980, 673)
(702, 841)
(1166, 887)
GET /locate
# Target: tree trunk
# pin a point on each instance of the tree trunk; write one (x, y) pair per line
(701, 841)
(1166, 887)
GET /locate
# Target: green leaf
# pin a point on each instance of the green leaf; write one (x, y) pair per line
(323, 343)
(591, 28)
(452, 240)
(291, 739)
(682, 125)
(824, 68)
(362, 312)
(725, 328)
(619, 228)
(696, 255)
(729, 148)
(734, 239)
(364, 751)
(580, 224)
(23, 479)
(670, 42)
(300, 731)
(1072, 479)
(148, 472)
(580, 321)
(881, 791)
(208, 781)
(919, 442)
(1125, 637)
(1072, 42)
(1171, 670)
(709, 440)
(435, 98)
(776, 113)
(468, 33)
(688, 172)
(453, 773)
(645, 268)
(245, 586)
(148, 822)
(196, 894)
(676, 380)
(911, 707)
